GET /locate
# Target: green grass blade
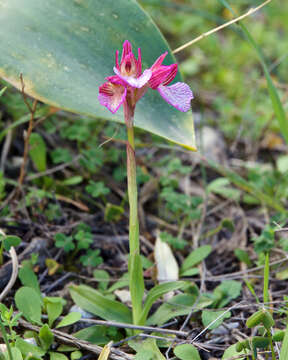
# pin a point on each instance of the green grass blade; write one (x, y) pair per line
(2, 91)
(284, 349)
(273, 93)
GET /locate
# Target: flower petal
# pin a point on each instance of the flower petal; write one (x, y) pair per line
(178, 95)
(112, 96)
(159, 61)
(127, 49)
(117, 59)
(163, 75)
(139, 63)
(133, 81)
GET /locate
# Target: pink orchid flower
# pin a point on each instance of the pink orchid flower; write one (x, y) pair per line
(130, 84)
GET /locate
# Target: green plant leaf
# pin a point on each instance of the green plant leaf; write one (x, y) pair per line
(187, 352)
(2, 91)
(54, 308)
(46, 337)
(28, 278)
(64, 49)
(38, 151)
(75, 355)
(196, 257)
(284, 349)
(91, 300)
(208, 317)
(95, 334)
(27, 348)
(156, 292)
(231, 352)
(11, 240)
(69, 319)
(226, 291)
(146, 350)
(57, 356)
(177, 306)
(28, 301)
(243, 256)
(16, 354)
(103, 277)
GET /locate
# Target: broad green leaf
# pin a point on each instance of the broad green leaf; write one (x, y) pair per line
(46, 337)
(75, 355)
(54, 308)
(215, 318)
(177, 306)
(226, 291)
(146, 350)
(91, 300)
(156, 292)
(15, 352)
(69, 319)
(103, 277)
(74, 180)
(231, 353)
(64, 49)
(196, 257)
(11, 240)
(95, 334)
(28, 278)
(243, 256)
(57, 356)
(37, 151)
(27, 348)
(187, 352)
(190, 272)
(28, 301)
(121, 283)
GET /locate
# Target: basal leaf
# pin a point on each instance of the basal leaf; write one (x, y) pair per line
(28, 301)
(91, 300)
(64, 49)
(69, 319)
(186, 352)
(195, 257)
(156, 292)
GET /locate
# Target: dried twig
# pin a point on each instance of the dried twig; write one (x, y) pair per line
(81, 344)
(202, 36)
(14, 274)
(136, 327)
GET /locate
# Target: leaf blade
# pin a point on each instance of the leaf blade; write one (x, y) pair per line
(64, 60)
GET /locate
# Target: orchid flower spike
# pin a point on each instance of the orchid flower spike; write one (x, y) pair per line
(129, 84)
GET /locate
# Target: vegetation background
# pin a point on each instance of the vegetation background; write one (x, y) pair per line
(229, 200)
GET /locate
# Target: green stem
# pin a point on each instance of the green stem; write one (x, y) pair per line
(266, 279)
(271, 345)
(136, 280)
(4, 334)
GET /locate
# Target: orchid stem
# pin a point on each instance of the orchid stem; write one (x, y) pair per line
(136, 280)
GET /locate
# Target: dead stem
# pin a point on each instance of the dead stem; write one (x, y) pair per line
(32, 111)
